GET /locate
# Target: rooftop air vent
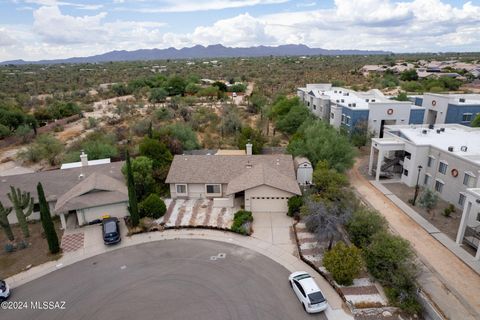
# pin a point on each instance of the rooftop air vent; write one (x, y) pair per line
(335, 91)
(424, 131)
(438, 130)
(343, 100)
(431, 126)
(442, 129)
(373, 100)
(367, 100)
(461, 99)
(354, 104)
(349, 104)
(450, 149)
(464, 148)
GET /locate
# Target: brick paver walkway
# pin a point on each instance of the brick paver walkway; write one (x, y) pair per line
(72, 241)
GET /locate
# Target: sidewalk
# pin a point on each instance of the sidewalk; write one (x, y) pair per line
(431, 229)
(449, 282)
(277, 254)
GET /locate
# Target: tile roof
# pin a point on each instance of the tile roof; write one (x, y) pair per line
(98, 189)
(55, 182)
(227, 169)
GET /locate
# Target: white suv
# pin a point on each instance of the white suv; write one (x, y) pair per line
(307, 292)
(4, 290)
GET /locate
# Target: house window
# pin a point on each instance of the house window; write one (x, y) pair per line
(332, 115)
(478, 217)
(431, 161)
(461, 199)
(439, 186)
(467, 117)
(405, 172)
(426, 180)
(468, 180)
(343, 118)
(408, 155)
(213, 188)
(181, 189)
(314, 107)
(442, 168)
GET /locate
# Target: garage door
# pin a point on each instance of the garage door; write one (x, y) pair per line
(269, 204)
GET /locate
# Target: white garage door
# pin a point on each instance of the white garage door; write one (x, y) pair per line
(269, 204)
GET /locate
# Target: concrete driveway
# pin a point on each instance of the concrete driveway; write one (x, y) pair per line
(171, 279)
(275, 228)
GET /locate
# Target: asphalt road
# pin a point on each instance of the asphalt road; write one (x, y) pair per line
(171, 279)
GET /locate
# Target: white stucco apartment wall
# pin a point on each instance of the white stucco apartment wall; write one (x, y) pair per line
(398, 114)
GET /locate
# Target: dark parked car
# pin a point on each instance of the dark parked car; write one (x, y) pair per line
(111, 230)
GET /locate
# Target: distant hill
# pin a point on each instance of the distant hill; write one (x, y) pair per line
(213, 51)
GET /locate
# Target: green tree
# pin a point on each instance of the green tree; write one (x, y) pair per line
(254, 136)
(402, 96)
(158, 95)
(192, 88)
(23, 132)
(142, 170)
(476, 121)
(132, 196)
(23, 204)
(180, 132)
(153, 207)
(428, 200)
(409, 75)
(4, 223)
(156, 151)
(363, 224)
(47, 223)
(328, 182)
(220, 85)
(290, 122)
(344, 263)
(51, 147)
(175, 86)
(317, 141)
(385, 254)
(231, 122)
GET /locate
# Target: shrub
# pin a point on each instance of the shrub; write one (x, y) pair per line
(21, 245)
(9, 248)
(448, 210)
(242, 222)
(4, 131)
(385, 254)
(294, 205)
(363, 224)
(163, 114)
(343, 262)
(153, 207)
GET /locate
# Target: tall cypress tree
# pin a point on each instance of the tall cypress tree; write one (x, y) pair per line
(47, 223)
(132, 195)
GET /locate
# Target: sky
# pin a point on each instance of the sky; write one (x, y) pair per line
(52, 29)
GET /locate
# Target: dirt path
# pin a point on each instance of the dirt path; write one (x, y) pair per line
(461, 284)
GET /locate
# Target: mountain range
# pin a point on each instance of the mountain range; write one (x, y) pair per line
(198, 51)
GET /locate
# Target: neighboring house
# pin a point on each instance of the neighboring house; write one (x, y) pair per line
(354, 110)
(78, 195)
(444, 158)
(258, 182)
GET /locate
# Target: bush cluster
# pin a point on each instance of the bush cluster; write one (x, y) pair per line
(152, 207)
(344, 263)
(242, 222)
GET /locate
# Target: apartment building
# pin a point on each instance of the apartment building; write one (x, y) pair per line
(444, 158)
(448, 108)
(352, 109)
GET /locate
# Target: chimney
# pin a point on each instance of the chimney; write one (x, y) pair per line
(84, 159)
(249, 148)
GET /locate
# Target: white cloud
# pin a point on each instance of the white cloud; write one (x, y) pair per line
(420, 25)
(192, 6)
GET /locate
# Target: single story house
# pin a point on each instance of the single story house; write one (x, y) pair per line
(78, 195)
(261, 183)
